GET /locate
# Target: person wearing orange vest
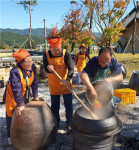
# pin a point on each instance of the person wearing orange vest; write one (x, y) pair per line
(23, 76)
(59, 60)
(81, 60)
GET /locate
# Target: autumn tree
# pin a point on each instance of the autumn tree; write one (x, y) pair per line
(106, 17)
(72, 25)
(90, 7)
(86, 37)
(27, 7)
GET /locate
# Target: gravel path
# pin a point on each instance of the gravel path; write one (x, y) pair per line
(128, 114)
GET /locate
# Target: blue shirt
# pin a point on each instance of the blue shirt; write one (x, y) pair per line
(93, 65)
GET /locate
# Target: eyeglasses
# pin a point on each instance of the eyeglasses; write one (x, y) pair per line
(103, 62)
(28, 62)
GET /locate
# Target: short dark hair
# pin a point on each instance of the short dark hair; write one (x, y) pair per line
(106, 49)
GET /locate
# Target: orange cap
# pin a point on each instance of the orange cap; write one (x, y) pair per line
(56, 42)
(21, 54)
(82, 45)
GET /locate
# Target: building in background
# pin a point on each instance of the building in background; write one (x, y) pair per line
(128, 23)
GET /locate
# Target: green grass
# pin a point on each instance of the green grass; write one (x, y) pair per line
(131, 62)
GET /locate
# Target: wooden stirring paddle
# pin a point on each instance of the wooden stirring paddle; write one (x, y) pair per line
(92, 114)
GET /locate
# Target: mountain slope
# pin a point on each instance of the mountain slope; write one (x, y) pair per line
(10, 39)
(34, 32)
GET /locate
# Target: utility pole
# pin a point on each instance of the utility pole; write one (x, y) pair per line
(45, 35)
(30, 44)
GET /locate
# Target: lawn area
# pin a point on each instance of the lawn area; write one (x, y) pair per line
(131, 62)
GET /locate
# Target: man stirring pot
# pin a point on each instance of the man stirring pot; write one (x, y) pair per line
(102, 67)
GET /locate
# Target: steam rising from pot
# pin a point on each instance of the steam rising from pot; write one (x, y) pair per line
(102, 113)
(105, 94)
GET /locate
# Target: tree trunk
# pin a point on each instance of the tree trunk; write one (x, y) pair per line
(90, 27)
(72, 46)
(30, 27)
(88, 49)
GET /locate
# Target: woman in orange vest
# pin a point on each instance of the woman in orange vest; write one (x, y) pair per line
(23, 76)
(81, 60)
(59, 60)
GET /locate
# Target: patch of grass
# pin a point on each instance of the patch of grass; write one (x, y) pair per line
(131, 62)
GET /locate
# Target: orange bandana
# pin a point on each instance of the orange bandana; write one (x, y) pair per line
(21, 54)
(56, 42)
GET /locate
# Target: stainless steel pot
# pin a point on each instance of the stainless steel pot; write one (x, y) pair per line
(116, 101)
(104, 92)
(123, 69)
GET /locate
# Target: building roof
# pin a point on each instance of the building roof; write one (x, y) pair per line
(129, 19)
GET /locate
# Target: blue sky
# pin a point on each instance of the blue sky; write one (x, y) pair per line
(14, 16)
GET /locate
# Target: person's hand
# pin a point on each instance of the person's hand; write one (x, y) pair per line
(65, 82)
(50, 68)
(18, 110)
(93, 94)
(36, 99)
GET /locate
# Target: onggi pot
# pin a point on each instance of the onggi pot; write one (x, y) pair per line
(134, 81)
(35, 128)
(90, 134)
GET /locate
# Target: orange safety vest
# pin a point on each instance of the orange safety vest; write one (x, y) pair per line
(10, 101)
(56, 87)
(81, 63)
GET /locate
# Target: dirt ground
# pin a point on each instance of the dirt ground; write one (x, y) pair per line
(128, 114)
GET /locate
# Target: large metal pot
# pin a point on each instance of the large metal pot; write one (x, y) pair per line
(116, 101)
(104, 92)
(95, 134)
(123, 70)
(35, 128)
(134, 81)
